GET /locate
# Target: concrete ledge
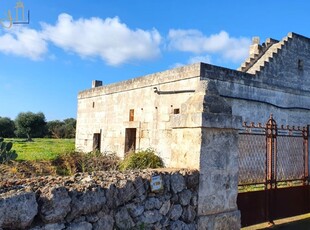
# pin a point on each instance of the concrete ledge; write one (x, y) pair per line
(227, 220)
(205, 120)
(222, 121)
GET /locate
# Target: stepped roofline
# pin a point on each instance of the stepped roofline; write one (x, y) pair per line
(260, 54)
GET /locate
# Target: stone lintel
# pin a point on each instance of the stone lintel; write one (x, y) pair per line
(131, 124)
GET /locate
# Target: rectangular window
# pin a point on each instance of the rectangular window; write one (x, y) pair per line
(131, 115)
(300, 64)
(176, 111)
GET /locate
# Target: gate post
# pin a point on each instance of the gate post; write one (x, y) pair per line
(207, 132)
(218, 166)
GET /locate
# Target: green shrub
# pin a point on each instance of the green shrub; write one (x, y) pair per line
(6, 154)
(141, 160)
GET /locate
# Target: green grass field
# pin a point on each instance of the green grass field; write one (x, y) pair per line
(41, 148)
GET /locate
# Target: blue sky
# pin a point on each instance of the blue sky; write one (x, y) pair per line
(69, 43)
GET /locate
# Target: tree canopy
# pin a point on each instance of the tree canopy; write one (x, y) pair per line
(7, 127)
(62, 129)
(30, 125)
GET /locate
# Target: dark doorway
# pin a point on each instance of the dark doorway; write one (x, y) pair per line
(130, 140)
(96, 141)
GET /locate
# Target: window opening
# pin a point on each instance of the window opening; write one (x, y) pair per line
(131, 115)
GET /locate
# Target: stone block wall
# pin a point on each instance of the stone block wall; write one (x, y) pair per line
(106, 110)
(101, 200)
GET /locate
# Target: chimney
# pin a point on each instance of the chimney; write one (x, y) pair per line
(96, 83)
(255, 48)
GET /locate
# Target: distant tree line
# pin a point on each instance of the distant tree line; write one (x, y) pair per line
(34, 125)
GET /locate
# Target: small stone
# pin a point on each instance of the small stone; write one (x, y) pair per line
(139, 186)
(194, 199)
(53, 227)
(79, 219)
(86, 203)
(177, 225)
(151, 217)
(164, 221)
(123, 219)
(177, 182)
(125, 193)
(165, 208)
(92, 218)
(80, 226)
(185, 197)
(111, 194)
(189, 214)
(104, 223)
(135, 210)
(54, 203)
(175, 198)
(166, 180)
(152, 203)
(192, 181)
(176, 212)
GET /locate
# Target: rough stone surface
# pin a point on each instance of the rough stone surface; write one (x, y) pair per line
(86, 203)
(152, 203)
(81, 201)
(123, 219)
(176, 212)
(151, 217)
(55, 204)
(177, 183)
(80, 226)
(135, 210)
(55, 226)
(18, 211)
(189, 214)
(185, 197)
(165, 207)
(106, 223)
(176, 225)
(228, 220)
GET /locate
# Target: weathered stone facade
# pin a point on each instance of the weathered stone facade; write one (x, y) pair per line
(138, 113)
(191, 116)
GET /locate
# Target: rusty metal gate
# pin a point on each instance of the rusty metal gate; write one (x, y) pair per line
(273, 172)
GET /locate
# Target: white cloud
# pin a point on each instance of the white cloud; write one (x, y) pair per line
(115, 43)
(205, 59)
(23, 42)
(230, 48)
(107, 38)
(192, 60)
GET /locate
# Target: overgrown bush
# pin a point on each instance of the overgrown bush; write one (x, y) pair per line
(73, 162)
(141, 159)
(6, 152)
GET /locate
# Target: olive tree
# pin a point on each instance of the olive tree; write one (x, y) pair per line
(30, 125)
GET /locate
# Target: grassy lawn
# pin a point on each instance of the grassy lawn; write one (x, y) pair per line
(41, 148)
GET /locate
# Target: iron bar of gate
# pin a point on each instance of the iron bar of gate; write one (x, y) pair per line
(305, 133)
(286, 148)
(271, 166)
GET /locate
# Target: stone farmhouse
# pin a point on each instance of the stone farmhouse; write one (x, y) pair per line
(172, 111)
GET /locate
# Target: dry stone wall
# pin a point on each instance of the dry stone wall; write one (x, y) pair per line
(101, 200)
